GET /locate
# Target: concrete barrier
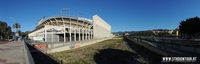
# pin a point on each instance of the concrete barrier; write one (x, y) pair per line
(27, 55)
(72, 45)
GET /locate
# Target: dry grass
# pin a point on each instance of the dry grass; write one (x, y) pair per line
(85, 55)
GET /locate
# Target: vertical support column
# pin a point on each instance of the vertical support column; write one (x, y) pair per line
(86, 34)
(75, 34)
(70, 34)
(64, 33)
(177, 33)
(79, 36)
(83, 34)
(45, 34)
(92, 34)
(58, 39)
(89, 34)
(70, 29)
(52, 35)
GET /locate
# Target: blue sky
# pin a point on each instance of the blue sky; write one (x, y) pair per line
(122, 15)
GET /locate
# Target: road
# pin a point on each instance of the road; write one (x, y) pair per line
(149, 56)
(153, 52)
(12, 52)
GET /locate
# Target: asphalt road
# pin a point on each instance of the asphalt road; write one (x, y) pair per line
(151, 52)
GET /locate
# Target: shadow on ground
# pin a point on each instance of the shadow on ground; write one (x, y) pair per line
(149, 56)
(114, 56)
(39, 57)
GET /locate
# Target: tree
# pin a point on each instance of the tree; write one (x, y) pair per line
(8, 32)
(190, 27)
(143, 33)
(25, 34)
(17, 27)
(5, 30)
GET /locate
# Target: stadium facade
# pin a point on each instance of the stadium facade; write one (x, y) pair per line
(69, 29)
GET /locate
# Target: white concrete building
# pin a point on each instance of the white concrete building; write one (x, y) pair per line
(68, 29)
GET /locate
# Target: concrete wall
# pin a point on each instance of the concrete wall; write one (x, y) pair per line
(55, 38)
(101, 28)
(58, 47)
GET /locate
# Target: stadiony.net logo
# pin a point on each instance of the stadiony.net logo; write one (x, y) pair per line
(179, 59)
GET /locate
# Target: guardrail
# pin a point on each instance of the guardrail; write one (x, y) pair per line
(28, 56)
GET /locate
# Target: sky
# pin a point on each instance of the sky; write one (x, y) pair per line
(122, 15)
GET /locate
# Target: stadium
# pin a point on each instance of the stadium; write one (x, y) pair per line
(70, 29)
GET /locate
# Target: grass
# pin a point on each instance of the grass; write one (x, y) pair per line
(85, 55)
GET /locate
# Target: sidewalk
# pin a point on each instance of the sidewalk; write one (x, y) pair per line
(12, 53)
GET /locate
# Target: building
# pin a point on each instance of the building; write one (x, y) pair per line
(156, 31)
(172, 32)
(68, 29)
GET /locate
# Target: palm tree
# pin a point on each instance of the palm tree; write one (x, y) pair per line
(17, 27)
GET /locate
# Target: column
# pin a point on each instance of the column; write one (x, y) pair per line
(79, 35)
(89, 34)
(70, 28)
(92, 34)
(75, 34)
(83, 34)
(45, 34)
(64, 34)
(52, 35)
(70, 35)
